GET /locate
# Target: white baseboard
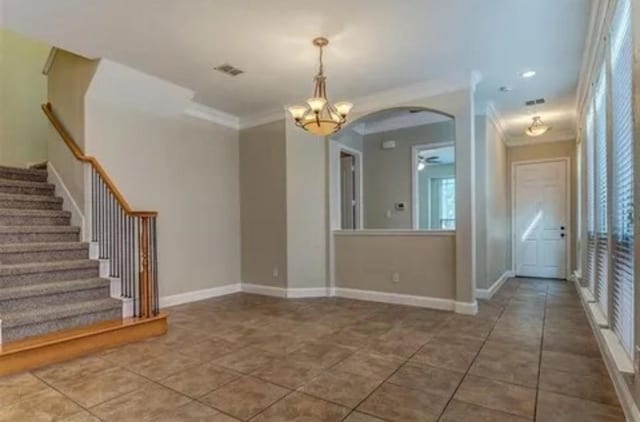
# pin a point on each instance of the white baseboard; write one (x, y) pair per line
(613, 362)
(260, 289)
(466, 308)
(68, 204)
(404, 299)
(302, 292)
(488, 293)
(197, 295)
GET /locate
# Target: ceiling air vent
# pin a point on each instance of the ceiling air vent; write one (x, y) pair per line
(535, 102)
(227, 69)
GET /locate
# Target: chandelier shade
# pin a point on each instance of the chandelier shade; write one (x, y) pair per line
(537, 127)
(319, 116)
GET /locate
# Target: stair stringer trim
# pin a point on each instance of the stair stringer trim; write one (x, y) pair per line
(68, 203)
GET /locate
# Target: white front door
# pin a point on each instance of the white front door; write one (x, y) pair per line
(541, 219)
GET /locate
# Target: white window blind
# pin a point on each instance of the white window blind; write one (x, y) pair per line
(589, 274)
(600, 167)
(622, 176)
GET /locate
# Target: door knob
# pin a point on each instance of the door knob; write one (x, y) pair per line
(561, 227)
(561, 234)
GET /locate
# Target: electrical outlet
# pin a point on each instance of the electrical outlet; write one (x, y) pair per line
(395, 277)
(276, 272)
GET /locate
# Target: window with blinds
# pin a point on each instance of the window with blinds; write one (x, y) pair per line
(589, 273)
(622, 176)
(600, 173)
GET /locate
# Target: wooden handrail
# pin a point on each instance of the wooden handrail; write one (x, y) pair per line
(80, 156)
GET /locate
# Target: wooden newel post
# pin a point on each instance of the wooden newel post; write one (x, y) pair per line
(145, 270)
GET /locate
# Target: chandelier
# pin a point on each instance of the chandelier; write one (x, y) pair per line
(319, 116)
(537, 127)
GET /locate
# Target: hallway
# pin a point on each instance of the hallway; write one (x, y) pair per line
(529, 354)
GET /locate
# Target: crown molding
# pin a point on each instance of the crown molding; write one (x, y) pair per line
(210, 114)
(557, 136)
(268, 116)
(494, 117)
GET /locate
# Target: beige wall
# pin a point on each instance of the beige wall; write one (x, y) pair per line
(423, 263)
(263, 200)
(68, 81)
(543, 152)
(307, 208)
(387, 173)
(187, 170)
(23, 88)
(498, 215)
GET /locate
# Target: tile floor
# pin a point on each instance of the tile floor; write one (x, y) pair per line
(528, 354)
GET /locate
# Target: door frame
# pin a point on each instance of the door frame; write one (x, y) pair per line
(415, 205)
(335, 148)
(567, 163)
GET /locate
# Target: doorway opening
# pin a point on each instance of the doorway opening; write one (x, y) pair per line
(348, 191)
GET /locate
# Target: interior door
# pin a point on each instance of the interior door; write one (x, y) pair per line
(541, 219)
(347, 191)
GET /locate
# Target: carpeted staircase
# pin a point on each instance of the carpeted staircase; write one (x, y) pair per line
(47, 281)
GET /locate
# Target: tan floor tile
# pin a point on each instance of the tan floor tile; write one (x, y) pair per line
(288, 372)
(192, 412)
(395, 403)
(209, 350)
(598, 388)
(362, 417)
(199, 380)
(444, 355)
(81, 367)
(507, 364)
(363, 363)
(570, 362)
(323, 354)
(341, 387)
(15, 387)
(557, 407)
(246, 360)
(458, 411)
(159, 367)
(81, 417)
(497, 395)
(300, 407)
(244, 397)
(43, 406)
(140, 404)
(428, 379)
(99, 387)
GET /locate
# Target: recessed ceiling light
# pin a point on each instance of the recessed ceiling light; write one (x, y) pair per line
(528, 74)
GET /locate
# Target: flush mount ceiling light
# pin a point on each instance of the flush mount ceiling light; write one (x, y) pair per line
(319, 116)
(537, 127)
(528, 74)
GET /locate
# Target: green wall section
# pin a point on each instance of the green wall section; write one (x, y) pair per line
(23, 87)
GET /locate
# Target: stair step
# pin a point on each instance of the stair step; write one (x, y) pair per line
(36, 296)
(26, 187)
(16, 173)
(47, 272)
(19, 325)
(20, 253)
(22, 217)
(38, 234)
(32, 202)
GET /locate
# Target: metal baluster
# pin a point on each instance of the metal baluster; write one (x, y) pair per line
(94, 216)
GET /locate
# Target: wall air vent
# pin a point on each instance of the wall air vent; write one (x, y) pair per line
(227, 69)
(535, 102)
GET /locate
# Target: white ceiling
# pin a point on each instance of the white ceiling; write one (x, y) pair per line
(446, 155)
(375, 45)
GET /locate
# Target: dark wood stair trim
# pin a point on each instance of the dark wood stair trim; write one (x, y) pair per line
(35, 352)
